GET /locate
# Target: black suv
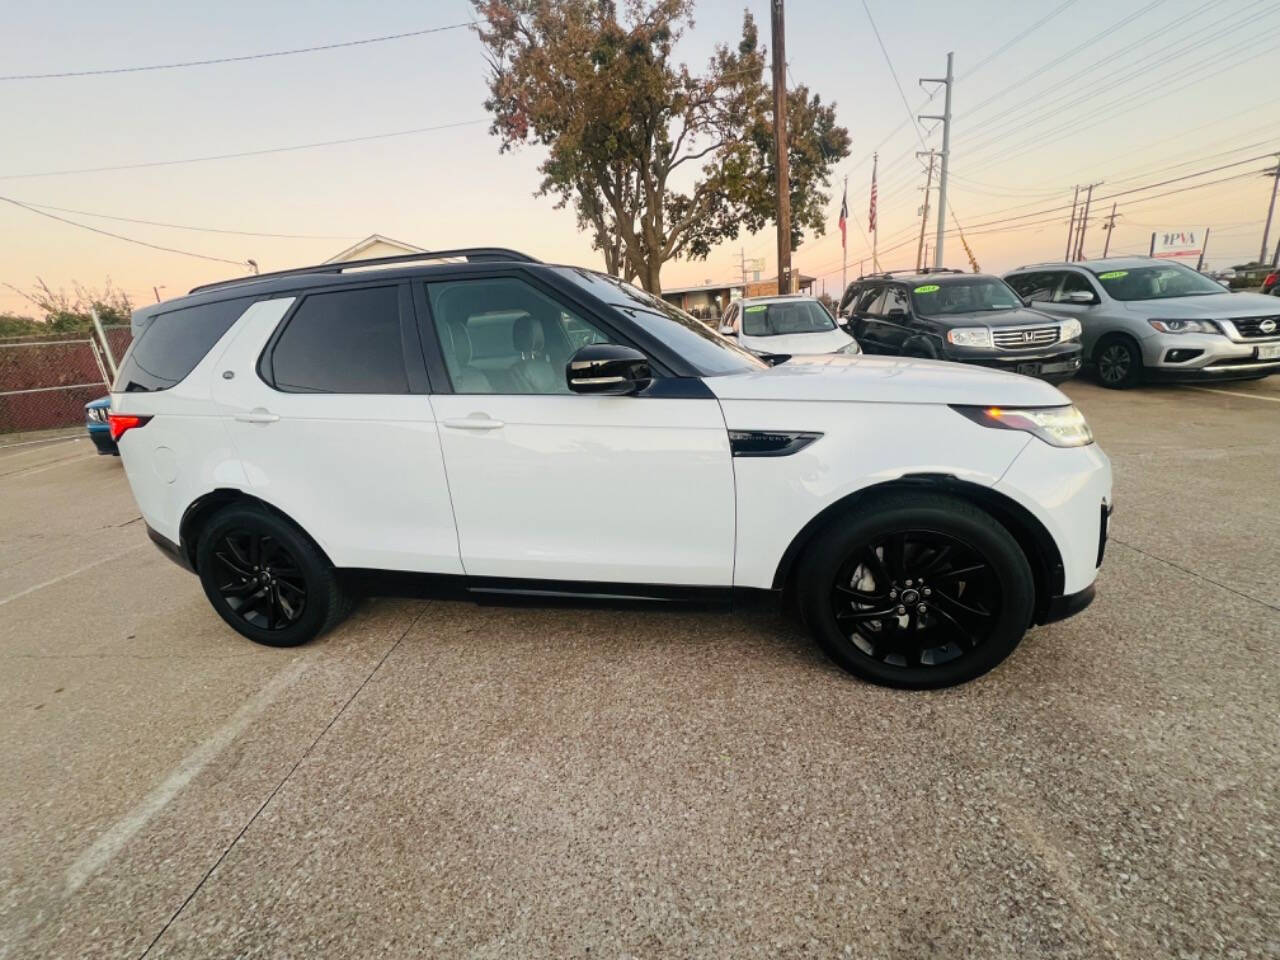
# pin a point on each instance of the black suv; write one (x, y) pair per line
(964, 317)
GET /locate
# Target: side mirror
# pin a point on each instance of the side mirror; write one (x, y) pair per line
(609, 369)
(1079, 296)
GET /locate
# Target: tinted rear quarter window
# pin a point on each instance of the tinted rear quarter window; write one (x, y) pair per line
(173, 343)
(347, 341)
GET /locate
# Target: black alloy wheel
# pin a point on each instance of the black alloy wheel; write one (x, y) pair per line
(916, 598)
(266, 578)
(259, 580)
(1119, 364)
(916, 590)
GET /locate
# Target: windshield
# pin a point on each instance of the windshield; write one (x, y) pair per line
(975, 295)
(1156, 283)
(709, 353)
(785, 316)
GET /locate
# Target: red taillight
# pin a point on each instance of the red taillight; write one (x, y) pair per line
(119, 423)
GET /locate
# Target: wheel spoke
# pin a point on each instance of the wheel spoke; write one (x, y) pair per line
(861, 616)
(960, 633)
(861, 596)
(960, 607)
(871, 560)
(239, 589)
(960, 571)
(939, 557)
(232, 565)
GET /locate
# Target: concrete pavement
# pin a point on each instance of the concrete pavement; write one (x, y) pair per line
(442, 779)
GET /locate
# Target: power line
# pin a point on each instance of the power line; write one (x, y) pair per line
(118, 236)
(216, 60)
(183, 226)
(1025, 33)
(243, 153)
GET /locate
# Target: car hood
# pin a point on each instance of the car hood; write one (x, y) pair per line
(797, 344)
(1209, 305)
(864, 379)
(1017, 317)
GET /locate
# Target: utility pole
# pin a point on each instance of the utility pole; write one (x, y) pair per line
(844, 241)
(924, 215)
(743, 260)
(1274, 174)
(1204, 248)
(1084, 220)
(781, 157)
(946, 155)
(1071, 227)
(1111, 225)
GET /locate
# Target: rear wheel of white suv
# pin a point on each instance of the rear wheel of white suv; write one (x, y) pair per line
(266, 578)
(916, 591)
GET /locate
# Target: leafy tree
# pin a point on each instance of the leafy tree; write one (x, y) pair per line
(658, 162)
(69, 312)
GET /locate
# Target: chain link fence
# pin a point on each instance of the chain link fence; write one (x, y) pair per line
(46, 380)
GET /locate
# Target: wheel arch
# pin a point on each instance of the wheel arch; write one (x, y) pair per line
(1035, 540)
(200, 510)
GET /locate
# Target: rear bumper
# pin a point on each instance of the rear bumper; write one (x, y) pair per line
(170, 549)
(101, 437)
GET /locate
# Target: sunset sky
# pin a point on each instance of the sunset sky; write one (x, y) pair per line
(1130, 94)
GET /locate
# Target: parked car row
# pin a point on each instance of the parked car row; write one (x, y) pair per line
(1133, 319)
(488, 424)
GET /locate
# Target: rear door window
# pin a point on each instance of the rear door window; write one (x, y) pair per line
(347, 341)
(173, 343)
(872, 302)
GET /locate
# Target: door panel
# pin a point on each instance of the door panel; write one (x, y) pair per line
(362, 473)
(614, 489)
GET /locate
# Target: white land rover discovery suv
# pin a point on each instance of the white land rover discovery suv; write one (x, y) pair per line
(492, 424)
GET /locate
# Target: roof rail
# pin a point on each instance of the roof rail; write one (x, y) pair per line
(470, 254)
(909, 270)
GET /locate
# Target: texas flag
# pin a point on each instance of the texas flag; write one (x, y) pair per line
(844, 218)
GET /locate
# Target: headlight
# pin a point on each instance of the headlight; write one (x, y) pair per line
(970, 336)
(1185, 326)
(1057, 426)
(1070, 330)
(850, 348)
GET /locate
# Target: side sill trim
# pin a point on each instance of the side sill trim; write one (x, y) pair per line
(169, 549)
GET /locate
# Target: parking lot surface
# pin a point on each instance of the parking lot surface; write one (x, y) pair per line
(444, 779)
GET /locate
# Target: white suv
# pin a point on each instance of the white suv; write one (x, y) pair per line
(788, 324)
(492, 424)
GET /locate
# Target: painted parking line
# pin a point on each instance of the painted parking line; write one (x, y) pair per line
(1236, 393)
(110, 842)
(67, 576)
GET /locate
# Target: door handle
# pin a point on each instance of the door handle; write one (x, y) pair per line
(474, 422)
(257, 415)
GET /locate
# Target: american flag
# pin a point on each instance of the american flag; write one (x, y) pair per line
(844, 218)
(871, 215)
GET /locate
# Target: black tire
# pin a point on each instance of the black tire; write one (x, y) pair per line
(981, 591)
(266, 578)
(1118, 361)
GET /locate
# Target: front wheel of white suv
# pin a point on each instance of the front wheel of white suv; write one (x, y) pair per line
(266, 578)
(916, 591)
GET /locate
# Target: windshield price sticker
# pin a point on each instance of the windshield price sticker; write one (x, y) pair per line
(927, 288)
(757, 309)
(1113, 275)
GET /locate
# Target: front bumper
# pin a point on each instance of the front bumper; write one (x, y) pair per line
(1058, 362)
(1068, 490)
(1068, 605)
(1207, 356)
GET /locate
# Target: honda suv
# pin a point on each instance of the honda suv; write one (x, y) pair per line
(1149, 319)
(963, 317)
(489, 424)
